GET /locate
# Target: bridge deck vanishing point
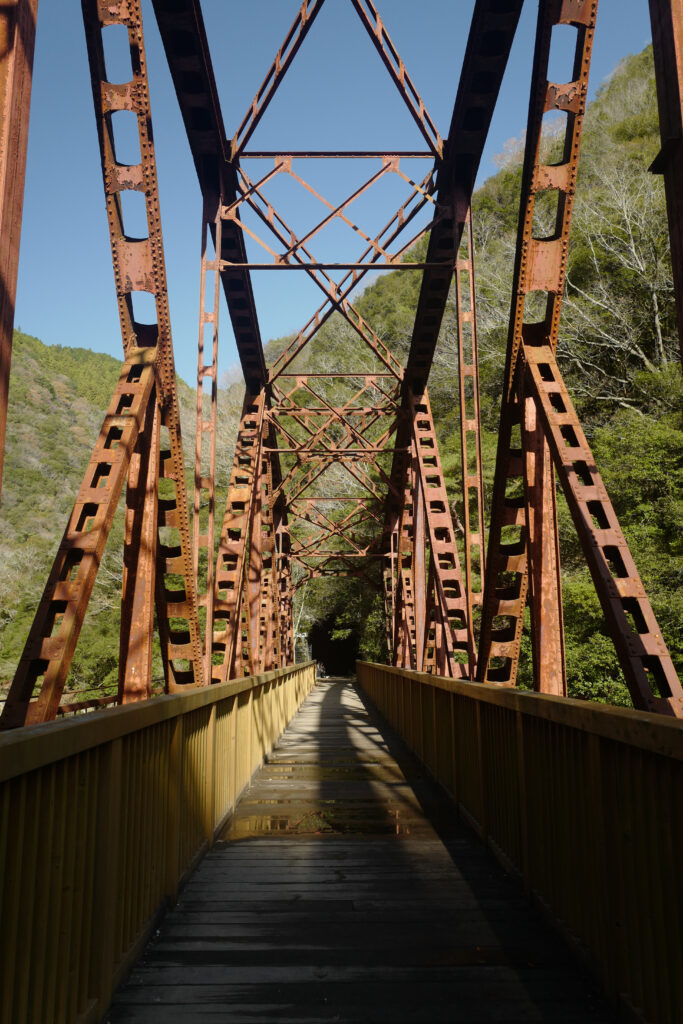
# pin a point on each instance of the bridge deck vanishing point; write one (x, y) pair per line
(343, 890)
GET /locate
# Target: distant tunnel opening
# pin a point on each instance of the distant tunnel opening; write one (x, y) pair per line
(334, 648)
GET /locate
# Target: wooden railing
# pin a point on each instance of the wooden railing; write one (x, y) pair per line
(102, 817)
(581, 800)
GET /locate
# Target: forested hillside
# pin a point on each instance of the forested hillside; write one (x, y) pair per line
(618, 349)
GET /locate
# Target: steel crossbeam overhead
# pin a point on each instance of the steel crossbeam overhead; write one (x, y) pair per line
(336, 470)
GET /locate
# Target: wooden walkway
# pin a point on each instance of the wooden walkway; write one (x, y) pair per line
(334, 897)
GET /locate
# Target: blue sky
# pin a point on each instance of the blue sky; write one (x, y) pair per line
(336, 95)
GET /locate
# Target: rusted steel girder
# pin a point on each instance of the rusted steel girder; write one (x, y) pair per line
(17, 38)
(184, 38)
(140, 563)
(252, 587)
(183, 35)
(204, 518)
(446, 573)
(148, 379)
(232, 564)
(296, 256)
(490, 40)
(523, 543)
(470, 435)
(404, 654)
(666, 17)
(283, 59)
(643, 655)
(284, 587)
(268, 639)
(370, 17)
(426, 599)
(54, 633)
(488, 47)
(139, 266)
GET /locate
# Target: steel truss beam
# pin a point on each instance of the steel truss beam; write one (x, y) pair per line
(643, 655)
(523, 543)
(470, 435)
(394, 509)
(54, 633)
(204, 517)
(149, 379)
(17, 38)
(666, 17)
(139, 267)
(183, 35)
(233, 642)
(535, 400)
(426, 597)
(488, 48)
(489, 43)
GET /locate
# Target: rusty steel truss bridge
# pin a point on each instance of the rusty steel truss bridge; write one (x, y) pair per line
(321, 487)
(106, 814)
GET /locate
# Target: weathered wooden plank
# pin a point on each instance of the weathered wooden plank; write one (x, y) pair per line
(427, 1013)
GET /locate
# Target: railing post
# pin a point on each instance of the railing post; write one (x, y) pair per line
(210, 775)
(606, 870)
(521, 781)
(107, 860)
(175, 782)
(454, 752)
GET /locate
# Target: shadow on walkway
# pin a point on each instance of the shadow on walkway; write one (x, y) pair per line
(346, 889)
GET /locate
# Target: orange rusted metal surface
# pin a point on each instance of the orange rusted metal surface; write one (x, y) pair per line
(17, 38)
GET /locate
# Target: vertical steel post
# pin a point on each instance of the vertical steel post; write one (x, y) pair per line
(232, 564)
(449, 586)
(284, 593)
(270, 641)
(666, 17)
(545, 585)
(419, 565)
(254, 546)
(405, 655)
(470, 433)
(17, 38)
(540, 267)
(205, 462)
(140, 564)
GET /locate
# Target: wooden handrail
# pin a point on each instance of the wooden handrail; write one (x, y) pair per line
(657, 733)
(581, 801)
(103, 817)
(23, 750)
